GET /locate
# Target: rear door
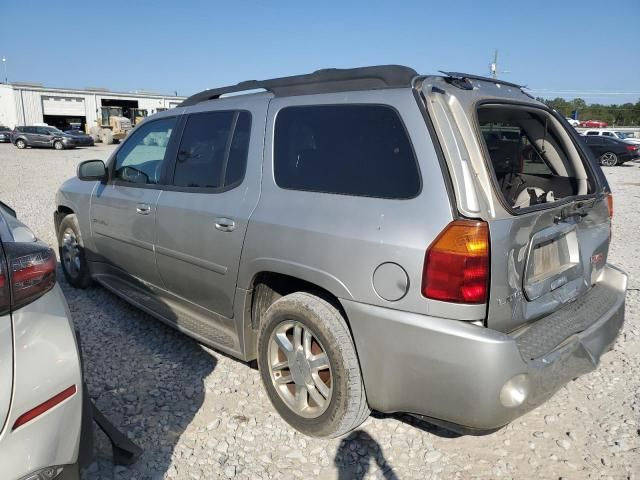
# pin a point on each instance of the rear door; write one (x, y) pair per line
(43, 137)
(123, 211)
(202, 217)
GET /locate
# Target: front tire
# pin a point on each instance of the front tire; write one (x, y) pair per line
(58, 145)
(72, 253)
(309, 367)
(608, 159)
(21, 144)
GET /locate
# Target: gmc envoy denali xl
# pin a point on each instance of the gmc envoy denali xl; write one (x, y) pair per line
(375, 238)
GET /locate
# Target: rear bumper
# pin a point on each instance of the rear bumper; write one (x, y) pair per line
(46, 362)
(455, 372)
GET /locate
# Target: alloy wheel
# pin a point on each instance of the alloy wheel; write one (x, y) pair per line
(71, 253)
(608, 159)
(300, 370)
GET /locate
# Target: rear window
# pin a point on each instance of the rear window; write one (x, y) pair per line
(532, 156)
(360, 150)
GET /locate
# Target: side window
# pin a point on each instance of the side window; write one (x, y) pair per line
(361, 150)
(29, 129)
(592, 133)
(141, 157)
(213, 150)
(607, 134)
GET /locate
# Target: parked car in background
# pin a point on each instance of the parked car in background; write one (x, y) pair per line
(45, 415)
(38, 136)
(289, 226)
(572, 122)
(627, 137)
(611, 151)
(5, 134)
(594, 124)
(81, 138)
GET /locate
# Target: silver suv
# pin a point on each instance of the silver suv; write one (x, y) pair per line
(375, 238)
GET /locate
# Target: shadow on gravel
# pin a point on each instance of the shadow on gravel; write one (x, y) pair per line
(354, 455)
(147, 378)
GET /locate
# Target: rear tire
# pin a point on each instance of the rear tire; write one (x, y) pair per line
(608, 159)
(309, 367)
(21, 144)
(107, 137)
(72, 253)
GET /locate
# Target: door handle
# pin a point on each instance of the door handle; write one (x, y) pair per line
(225, 224)
(143, 209)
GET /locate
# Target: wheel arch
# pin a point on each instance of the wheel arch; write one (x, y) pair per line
(267, 286)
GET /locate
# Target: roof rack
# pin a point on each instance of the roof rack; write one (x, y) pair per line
(320, 81)
(461, 77)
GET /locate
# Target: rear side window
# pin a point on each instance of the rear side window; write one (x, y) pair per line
(532, 157)
(361, 150)
(213, 150)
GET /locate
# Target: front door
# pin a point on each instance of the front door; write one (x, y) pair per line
(202, 218)
(123, 211)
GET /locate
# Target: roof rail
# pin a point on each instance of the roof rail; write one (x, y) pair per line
(462, 76)
(320, 81)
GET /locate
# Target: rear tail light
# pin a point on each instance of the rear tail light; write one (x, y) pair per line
(27, 271)
(610, 204)
(632, 148)
(456, 265)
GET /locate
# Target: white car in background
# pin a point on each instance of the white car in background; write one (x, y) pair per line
(607, 132)
(45, 418)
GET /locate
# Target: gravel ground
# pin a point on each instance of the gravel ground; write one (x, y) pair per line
(199, 414)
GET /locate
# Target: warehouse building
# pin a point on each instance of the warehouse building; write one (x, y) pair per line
(29, 104)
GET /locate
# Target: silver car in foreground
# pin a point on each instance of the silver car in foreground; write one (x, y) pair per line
(43, 424)
(375, 238)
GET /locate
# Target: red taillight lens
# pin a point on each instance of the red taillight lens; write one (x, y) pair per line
(610, 204)
(456, 266)
(632, 148)
(31, 272)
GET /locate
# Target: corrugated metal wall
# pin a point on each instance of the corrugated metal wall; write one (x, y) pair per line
(29, 102)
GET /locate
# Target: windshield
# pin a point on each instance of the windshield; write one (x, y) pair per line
(54, 130)
(623, 135)
(4, 129)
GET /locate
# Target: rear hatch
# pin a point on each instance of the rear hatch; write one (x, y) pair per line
(525, 172)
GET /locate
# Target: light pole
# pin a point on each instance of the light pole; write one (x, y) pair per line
(4, 62)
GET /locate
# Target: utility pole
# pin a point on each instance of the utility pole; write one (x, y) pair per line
(4, 62)
(494, 65)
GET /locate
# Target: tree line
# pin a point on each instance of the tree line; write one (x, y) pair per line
(626, 114)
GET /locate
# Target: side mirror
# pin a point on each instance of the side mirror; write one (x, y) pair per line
(92, 170)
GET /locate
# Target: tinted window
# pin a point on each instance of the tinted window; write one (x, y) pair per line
(29, 129)
(4, 129)
(213, 150)
(140, 158)
(593, 133)
(347, 149)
